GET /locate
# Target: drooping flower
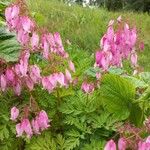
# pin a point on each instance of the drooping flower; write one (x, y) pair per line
(17, 87)
(19, 129)
(27, 24)
(14, 113)
(35, 73)
(34, 41)
(26, 127)
(134, 59)
(3, 82)
(23, 37)
(110, 145)
(35, 126)
(43, 120)
(12, 16)
(45, 46)
(29, 82)
(71, 66)
(87, 87)
(10, 74)
(68, 76)
(122, 144)
(47, 85)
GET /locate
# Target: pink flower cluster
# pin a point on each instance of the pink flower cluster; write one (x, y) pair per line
(56, 80)
(25, 29)
(87, 87)
(122, 144)
(20, 75)
(40, 123)
(111, 145)
(23, 74)
(117, 46)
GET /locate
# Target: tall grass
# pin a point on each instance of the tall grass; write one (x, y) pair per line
(84, 27)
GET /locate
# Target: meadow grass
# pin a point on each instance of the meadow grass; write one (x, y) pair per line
(84, 27)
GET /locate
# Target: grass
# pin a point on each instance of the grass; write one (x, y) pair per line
(84, 27)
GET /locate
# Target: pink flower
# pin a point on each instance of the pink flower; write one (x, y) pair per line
(87, 87)
(103, 59)
(122, 144)
(43, 120)
(23, 37)
(3, 82)
(12, 16)
(35, 73)
(35, 125)
(134, 59)
(45, 46)
(10, 74)
(22, 68)
(29, 83)
(61, 79)
(143, 145)
(68, 75)
(148, 139)
(47, 84)
(17, 87)
(34, 41)
(57, 39)
(27, 24)
(110, 145)
(19, 129)
(14, 113)
(26, 127)
(71, 66)
(98, 75)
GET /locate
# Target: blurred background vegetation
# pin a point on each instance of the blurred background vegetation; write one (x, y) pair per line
(84, 27)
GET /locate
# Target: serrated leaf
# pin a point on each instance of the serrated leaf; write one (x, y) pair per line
(138, 83)
(145, 76)
(72, 143)
(61, 142)
(42, 142)
(118, 94)
(117, 71)
(73, 133)
(4, 132)
(9, 47)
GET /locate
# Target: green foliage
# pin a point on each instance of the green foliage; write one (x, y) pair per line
(118, 95)
(84, 27)
(9, 47)
(43, 142)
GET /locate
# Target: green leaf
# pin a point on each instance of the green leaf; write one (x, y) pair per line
(145, 76)
(73, 133)
(72, 143)
(136, 115)
(4, 132)
(9, 47)
(42, 142)
(117, 71)
(118, 94)
(92, 71)
(94, 145)
(138, 83)
(61, 142)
